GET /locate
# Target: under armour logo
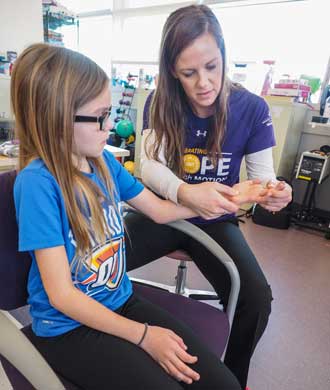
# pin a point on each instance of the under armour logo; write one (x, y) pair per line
(203, 133)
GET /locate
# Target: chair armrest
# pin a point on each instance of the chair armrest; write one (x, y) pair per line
(208, 242)
(22, 354)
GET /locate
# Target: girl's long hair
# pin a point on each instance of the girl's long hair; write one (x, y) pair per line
(48, 86)
(169, 108)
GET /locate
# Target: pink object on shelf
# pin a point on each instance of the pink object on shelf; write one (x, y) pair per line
(268, 78)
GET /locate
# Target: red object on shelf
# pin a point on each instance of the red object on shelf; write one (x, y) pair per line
(301, 87)
(269, 62)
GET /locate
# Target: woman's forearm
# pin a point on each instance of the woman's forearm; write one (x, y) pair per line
(155, 174)
(260, 165)
(160, 179)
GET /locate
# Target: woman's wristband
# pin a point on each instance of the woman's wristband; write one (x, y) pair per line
(144, 334)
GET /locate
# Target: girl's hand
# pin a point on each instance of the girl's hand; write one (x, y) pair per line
(249, 191)
(169, 351)
(279, 195)
(209, 199)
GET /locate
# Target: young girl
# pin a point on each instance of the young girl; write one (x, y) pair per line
(87, 321)
(202, 127)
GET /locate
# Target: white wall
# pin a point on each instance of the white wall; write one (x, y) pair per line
(20, 26)
(5, 111)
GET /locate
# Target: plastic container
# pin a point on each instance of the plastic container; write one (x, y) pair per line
(326, 112)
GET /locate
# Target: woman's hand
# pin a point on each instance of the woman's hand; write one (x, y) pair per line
(249, 191)
(279, 195)
(169, 350)
(209, 199)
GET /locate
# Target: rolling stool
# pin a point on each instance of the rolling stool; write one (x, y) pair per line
(180, 280)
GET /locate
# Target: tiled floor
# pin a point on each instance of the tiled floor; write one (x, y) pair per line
(294, 353)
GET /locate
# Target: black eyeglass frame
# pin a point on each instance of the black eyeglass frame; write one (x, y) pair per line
(102, 119)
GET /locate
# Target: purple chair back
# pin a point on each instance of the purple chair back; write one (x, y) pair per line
(15, 265)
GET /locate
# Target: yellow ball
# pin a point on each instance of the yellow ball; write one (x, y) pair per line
(129, 165)
(130, 139)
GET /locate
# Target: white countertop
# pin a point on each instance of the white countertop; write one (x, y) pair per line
(117, 152)
(7, 163)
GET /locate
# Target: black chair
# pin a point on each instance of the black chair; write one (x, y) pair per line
(24, 365)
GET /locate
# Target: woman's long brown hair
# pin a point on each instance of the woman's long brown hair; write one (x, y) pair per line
(48, 86)
(168, 113)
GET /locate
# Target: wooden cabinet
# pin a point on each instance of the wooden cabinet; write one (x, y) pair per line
(141, 98)
(289, 120)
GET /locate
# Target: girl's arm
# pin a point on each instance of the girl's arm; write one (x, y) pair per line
(56, 278)
(207, 199)
(159, 210)
(162, 344)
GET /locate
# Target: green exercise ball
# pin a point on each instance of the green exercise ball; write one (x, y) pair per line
(125, 128)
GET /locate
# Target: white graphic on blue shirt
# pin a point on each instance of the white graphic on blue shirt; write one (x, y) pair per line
(201, 133)
(268, 121)
(199, 168)
(104, 267)
(107, 267)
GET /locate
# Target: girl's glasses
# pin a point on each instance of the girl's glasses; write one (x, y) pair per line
(101, 119)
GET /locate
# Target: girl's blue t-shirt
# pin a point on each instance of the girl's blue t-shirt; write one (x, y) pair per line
(43, 223)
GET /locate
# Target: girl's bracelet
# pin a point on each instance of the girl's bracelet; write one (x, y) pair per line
(144, 334)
